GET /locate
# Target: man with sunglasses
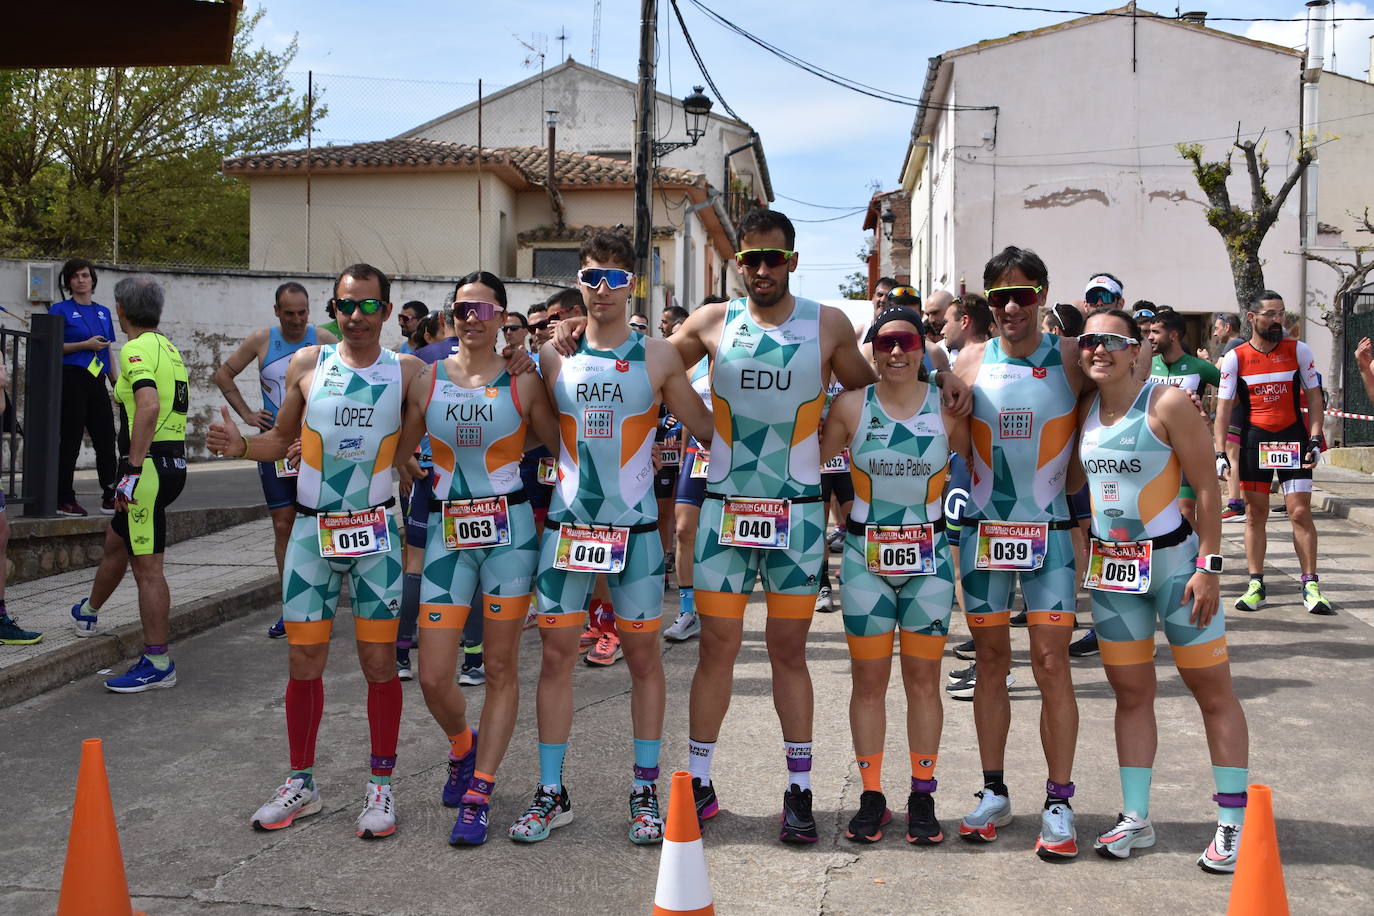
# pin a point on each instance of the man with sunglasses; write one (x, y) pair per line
(516, 330)
(1104, 291)
(408, 317)
(639, 322)
(273, 349)
(603, 521)
(1017, 521)
(344, 402)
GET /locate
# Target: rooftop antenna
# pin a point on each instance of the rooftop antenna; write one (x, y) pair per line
(596, 34)
(537, 46)
(562, 39)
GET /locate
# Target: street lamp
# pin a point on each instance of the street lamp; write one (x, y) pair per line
(889, 221)
(696, 106)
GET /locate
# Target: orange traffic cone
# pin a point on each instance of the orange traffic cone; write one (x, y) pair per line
(683, 885)
(1257, 888)
(93, 878)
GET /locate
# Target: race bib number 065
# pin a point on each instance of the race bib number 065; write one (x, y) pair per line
(591, 548)
(905, 550)
(473, 523)
(353, 534)
(1011, 546)
(755, 523)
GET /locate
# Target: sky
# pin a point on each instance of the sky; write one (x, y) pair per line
(827, 147)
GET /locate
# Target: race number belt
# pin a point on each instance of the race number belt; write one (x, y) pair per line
(701, 464)
(762, 523)
(1119, 566)
(353, 533)
(837, 465)
(285, 470)
(1010, 546)
(548, 471)
(900, 550)
(1284, 456)
(473, 523)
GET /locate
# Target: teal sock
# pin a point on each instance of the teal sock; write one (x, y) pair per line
(1231, 781)
(162, 661)
(307, 774)
(551, 763)
(687, 602)
(379, 780)
(646, 760)
(1135, 790)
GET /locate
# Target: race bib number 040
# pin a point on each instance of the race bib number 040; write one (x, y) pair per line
(591, 548)
(1011, 546)
(473, 523)
(353, 534)
(755, 523)
(837, 465)
(1119, 566)
(905, 550)
(1279, 455)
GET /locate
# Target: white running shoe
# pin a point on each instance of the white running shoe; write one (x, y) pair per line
(1058, 839)
(1220, 855)
(291, 801)
(379, 813)
(981, 823)
(1130, 832)
(685, 627)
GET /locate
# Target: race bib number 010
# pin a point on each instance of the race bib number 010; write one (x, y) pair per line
(473, 523)
(548, 471)
(591, 548)
(701, 464)
(905, 550)
(1011, 546)
(837, 465)
(285, 470)
(353, 534)
(1120, 566)
(1279, 455)
(755, 523)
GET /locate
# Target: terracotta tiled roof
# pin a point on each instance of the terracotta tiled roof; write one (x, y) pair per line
(578, 233)
(531, 162)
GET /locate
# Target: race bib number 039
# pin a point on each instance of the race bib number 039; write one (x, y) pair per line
(1122, 566)
(755, 523)
(353, 534)
(548, 471)
(472, 523)
(591, 548)
(701, 464)
(285, 470)
(1011, 546)
(837, 465)
(1279, 455)
(905, 550)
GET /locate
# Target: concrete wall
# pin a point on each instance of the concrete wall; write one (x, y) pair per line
(207, 315)
(1346, 179)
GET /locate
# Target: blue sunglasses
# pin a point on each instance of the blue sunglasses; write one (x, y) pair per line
(591, 277)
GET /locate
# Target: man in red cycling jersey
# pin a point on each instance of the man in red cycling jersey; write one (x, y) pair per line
(1267, 374)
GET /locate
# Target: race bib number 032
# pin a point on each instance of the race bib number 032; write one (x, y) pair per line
(591, 548)
(344, 535)
(1119, 566)
(837, 465)
(905, 550)
(1011, 546)
(755, 523)
(473, 523)
(1279, 455)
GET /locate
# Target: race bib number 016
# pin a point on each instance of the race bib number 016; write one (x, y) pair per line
(837, 465)
(591, 548)
(285, 470)
(1011, 546)
(905, 550)
(548, 471)
(755, 523)
(353, 534)
(701, 464)
(473, 523)
(1122, 566)
(1279, 455)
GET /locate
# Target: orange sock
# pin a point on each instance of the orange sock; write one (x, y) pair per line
(922, 766)
(460, 745)
(871, 771)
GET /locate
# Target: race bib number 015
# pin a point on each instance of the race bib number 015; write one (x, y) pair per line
(1122, 566)
(353, 534)
(285, 470)
(1011, 546)
(755, 523)
(591, 548)
(837, 465)
(905, 550)
(548, 471)
(1279, 455)
(473, 523)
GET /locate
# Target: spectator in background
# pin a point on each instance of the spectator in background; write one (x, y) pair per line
(425, 331)
(1292, 325)
(639, 322)
(674, 315)
(408, 316)
(332, 325)
(1064, 319)
(1225, 337)
(516, 331)
(1364, 358)
(86, 363)
(1144, 311)
(1104, 291)
(11, 633)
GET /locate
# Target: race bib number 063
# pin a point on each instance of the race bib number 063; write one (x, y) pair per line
(473, 523)
(1011, 546)
(755, 523)
(1279, 455)
(591, 548)
(1121, 566)
(353, 534)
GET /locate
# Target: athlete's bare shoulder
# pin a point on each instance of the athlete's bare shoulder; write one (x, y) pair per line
(970, 358)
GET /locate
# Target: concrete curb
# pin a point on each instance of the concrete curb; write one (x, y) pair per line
(60, 666)
(1340, 507)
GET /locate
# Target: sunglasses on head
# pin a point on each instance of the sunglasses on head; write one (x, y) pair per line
(1112, 343)
(481, 311)
(1099, 296)
(906, 341)
(753, 257)
(1144, 314)
(615, 278)
(1024, 296)
(366, 306)
(641, 328)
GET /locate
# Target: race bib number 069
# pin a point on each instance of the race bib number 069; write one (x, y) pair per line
(591, 548)
(473, 523)
(1279, 455)
(353, 534)
(1122, 566)
(1011, 546)
(755, 523)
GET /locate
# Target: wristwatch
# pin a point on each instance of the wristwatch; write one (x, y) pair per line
(1211, 563)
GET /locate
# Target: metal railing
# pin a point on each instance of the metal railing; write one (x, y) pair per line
(32, 418)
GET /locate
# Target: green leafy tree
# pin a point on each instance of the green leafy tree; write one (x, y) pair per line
(73, 142)
(854, 286)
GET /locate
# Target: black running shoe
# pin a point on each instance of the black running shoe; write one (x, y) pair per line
(922, 829)
(1085, 646)
(965, 651)
(705, 798)
(867, 825)
(1020, 620)
(798, 826)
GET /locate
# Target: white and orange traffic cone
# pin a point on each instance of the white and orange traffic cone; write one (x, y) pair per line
(684, 888)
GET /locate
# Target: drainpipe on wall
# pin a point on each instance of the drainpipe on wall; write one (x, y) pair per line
(1311, 122)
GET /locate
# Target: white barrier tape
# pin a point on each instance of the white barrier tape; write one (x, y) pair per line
(1348, 416)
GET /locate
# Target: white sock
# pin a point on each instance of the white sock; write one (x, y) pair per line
(699, 754)
(799, 763)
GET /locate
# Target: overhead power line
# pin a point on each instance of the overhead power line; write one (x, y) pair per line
(807, 203)
(1136, 15)
(701, 65)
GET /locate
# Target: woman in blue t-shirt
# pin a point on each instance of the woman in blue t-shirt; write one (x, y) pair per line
(86, 364)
